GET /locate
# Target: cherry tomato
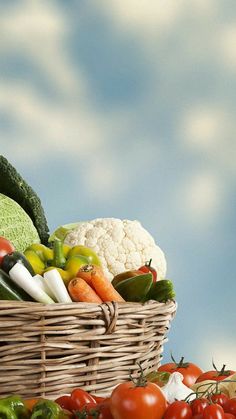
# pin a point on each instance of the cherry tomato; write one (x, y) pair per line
(6, 247)
(64, 402)
(229, 416)
(178, 410)
(149, 268)
(104, 409)
(189, 370)
(230, 406)
(216, 375)
(97, 399)
(198, 405)
(219, 398)
(136, 401)
(79, 398)
(213, 411)
(198, 416)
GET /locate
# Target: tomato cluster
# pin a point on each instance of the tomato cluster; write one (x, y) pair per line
(216, 406)
(84, 405)
(132, 399)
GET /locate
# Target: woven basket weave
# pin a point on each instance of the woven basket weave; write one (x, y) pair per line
(47, 350)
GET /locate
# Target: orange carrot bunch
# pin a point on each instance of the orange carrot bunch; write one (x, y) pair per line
(91, 286)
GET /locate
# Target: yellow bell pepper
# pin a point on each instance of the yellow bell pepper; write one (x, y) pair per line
(67, 260)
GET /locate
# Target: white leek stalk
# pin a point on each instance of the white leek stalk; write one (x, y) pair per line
(22, 277)
(55, 282)
(43, 285)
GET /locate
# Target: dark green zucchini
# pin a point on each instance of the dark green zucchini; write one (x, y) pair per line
(10, 291)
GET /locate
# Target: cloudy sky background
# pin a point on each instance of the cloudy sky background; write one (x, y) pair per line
(127, 109)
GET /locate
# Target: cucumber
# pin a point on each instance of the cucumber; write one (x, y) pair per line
(10, 291)
(162, 291)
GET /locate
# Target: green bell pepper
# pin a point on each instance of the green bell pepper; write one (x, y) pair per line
(47, 409)
(13, 407)
(136, 288)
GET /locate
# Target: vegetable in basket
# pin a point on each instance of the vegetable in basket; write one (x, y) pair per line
(120, 244)
(22, 219)
(10, 291)
(137, 286)
(16, 257)
(22, 277)
(6, 247)
(67, 260)
(97, 281)
(162, 291)
(13, 407)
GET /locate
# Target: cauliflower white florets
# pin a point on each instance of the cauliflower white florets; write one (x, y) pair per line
(121, 245)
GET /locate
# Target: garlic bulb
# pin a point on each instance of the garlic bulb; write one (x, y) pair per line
(176, 390)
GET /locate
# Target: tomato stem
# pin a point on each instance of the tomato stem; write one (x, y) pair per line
(223, 371)
(148, 263)
(181, 363)
(141, 380)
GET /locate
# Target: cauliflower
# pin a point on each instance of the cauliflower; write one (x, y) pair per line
(121, 245)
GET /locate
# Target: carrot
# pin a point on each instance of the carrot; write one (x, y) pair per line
(81, 291)
(88, 271)
(104, 287)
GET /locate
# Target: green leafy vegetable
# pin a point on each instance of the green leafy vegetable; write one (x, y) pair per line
(15, 187)
(16, 225)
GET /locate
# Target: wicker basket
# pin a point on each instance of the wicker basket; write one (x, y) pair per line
(47, 350)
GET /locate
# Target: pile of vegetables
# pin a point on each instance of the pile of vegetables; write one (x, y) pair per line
(105, 259)
(140, 397)
(63, 274)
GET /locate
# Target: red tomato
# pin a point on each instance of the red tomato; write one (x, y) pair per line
(149, 268)
(230, 406)
(216, 375)
(213, 411)
(198, 405)
(6, 247)
(104, 409)
(198, 416)
(229, 416)
(133, 401)
(97, 399)
(64, 402)
(189, 371)
(79, 398)
(178, 410)
(219, 398)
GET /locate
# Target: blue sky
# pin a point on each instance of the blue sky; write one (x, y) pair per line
(126, 109)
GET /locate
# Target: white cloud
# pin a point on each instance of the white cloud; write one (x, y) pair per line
(222, 351)
(204, 127)
(227, 45)
(145, 18)
(36, 30)
(201, 197)
(210, 131)
(60, 126)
